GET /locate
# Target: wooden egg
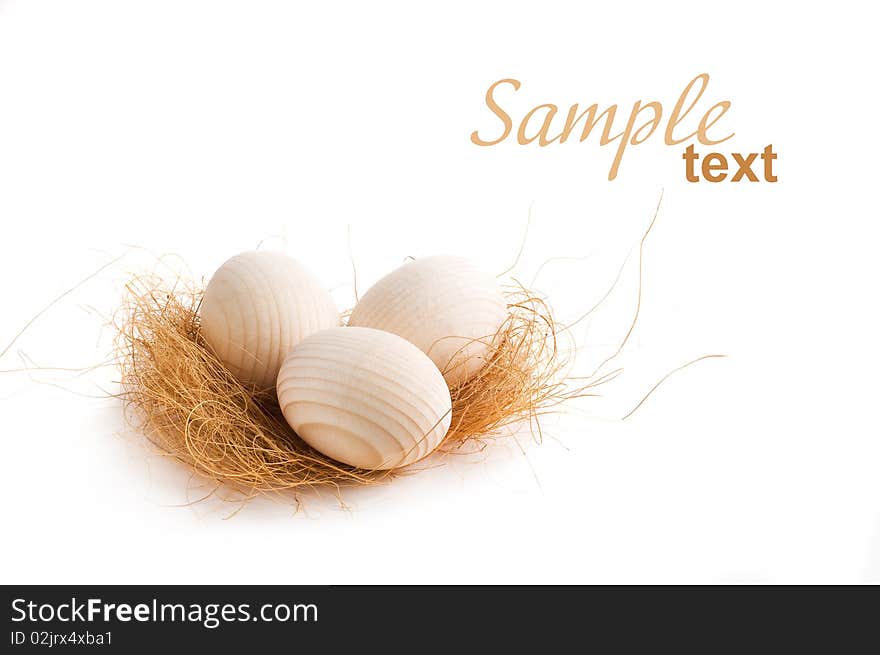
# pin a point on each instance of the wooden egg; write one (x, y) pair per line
(441, 304)
(364, 397)
(257, 307)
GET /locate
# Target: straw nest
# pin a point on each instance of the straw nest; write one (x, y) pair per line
(183, 399)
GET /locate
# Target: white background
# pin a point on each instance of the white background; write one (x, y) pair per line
(203, 129)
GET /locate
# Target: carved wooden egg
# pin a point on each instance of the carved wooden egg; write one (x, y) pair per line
(257, 307)
(364, 397)
(447, 306)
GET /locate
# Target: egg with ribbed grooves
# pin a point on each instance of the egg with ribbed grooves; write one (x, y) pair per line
(364, 397)
(442, 305)
(256, 308)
